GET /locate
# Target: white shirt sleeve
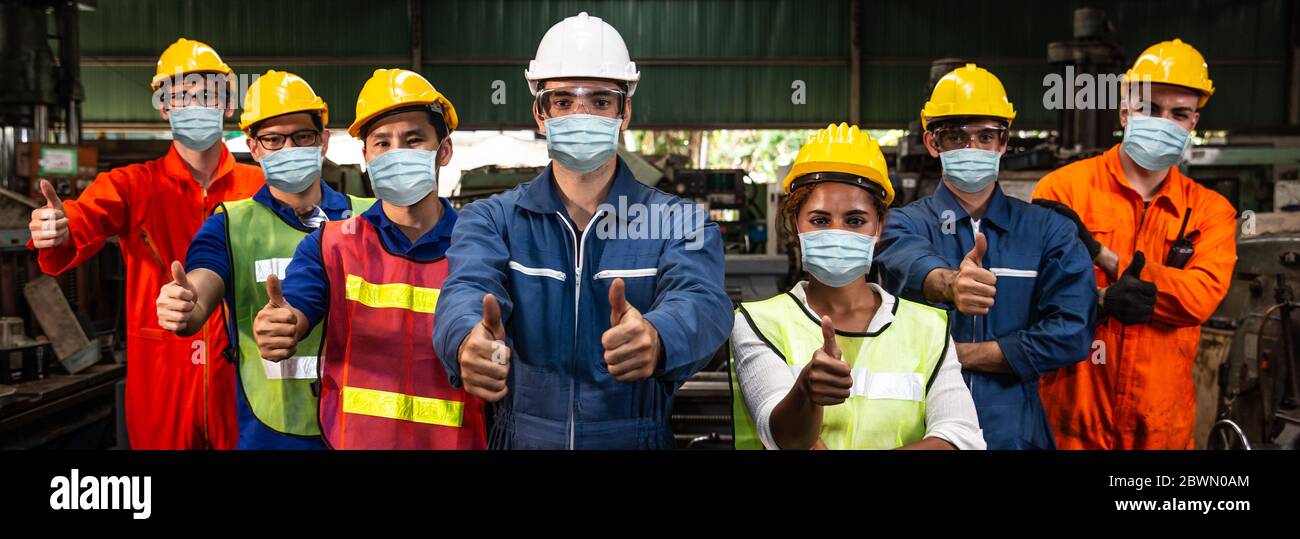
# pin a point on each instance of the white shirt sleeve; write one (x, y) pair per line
(764, 377)
(949, 408)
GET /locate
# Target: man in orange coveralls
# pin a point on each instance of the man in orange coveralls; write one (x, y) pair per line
(179, 391)
(1164, 247)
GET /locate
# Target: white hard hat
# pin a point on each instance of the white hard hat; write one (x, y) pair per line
(582, 47)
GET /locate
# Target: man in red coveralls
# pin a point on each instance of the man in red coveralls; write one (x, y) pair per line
(179, 391)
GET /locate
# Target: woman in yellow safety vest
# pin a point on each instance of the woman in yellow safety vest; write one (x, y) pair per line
(837, 362)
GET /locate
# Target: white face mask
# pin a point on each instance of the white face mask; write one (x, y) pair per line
(404, 176)
(292, 170)
(837, 257)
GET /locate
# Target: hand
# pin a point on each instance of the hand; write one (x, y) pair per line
(484, 357)
(1131, 300)
(49, 225)
(276, 326)
(176, 301)
(827, 379)
(974, 287)
(631, 344)
(1085, 236)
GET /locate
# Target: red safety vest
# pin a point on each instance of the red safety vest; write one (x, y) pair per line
(382, 384)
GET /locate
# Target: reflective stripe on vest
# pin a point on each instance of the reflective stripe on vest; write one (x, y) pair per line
(261, 243)
(886, 407)
(391, 405)
(382, 384)
(391, 295)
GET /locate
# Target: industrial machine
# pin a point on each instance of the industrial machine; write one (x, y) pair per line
(47, 399)
(1259, 379)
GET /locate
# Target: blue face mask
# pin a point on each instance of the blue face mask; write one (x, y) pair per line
(837, 257)
(196, 128)
(402, 177)
(1155, 143)
(292, 170)
(582, 142)
(970, 169)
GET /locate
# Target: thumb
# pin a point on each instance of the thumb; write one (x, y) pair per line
(617, 301)
(274, 295)
(51, 198)
(1135, 267)
(492, 316)
(178, 274)
(976, 254)
(828, 338)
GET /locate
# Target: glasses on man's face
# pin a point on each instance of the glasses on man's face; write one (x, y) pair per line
(965, 136)
(198, 97)
(607, 102)
(275, 141)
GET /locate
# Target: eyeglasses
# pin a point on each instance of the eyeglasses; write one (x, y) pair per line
(275, 141)
(563, 101)
(956, 137)
(211, 97)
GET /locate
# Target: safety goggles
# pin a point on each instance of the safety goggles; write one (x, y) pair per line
(566, 100)
(956, 137)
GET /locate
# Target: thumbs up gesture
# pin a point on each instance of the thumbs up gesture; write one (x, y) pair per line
(974, 287)
(827, 379)
(484, 357)
(276, 326)
(176, 301)
(49, 225)
(1131, 300)
(631, 344)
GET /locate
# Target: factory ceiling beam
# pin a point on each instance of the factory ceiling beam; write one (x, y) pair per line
(149, 61)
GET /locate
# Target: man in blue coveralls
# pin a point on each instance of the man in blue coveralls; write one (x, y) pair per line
(1019, 280)
(558, 307)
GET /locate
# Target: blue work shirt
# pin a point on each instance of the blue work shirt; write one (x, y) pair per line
(209, 250)
(1043, 312)
(552, 282)
(306, 286)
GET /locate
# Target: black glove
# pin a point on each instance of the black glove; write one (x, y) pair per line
(1094, 246)
(1084, 235)
(1131, 300)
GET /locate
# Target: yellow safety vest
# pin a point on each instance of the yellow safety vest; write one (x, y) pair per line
(893, 369)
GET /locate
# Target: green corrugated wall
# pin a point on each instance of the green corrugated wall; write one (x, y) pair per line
(471, 43)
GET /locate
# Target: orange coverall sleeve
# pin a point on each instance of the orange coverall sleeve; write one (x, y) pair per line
(98, 214)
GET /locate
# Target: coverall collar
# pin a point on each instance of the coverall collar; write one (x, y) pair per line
(543, 196)
(174, 167)
(998, 212)
(1168, 192)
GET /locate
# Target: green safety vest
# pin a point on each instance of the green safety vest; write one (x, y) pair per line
(261, 243)
(892, 371)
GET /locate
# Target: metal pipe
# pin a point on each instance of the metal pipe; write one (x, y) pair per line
(855, 62)
(70, 63)
(415, 12)
(40, 122)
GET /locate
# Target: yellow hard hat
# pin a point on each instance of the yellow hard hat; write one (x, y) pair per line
(390, 89)
(1173, 62)
(278, 93)
(846, 149)
(187, 56)
(968, 91)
